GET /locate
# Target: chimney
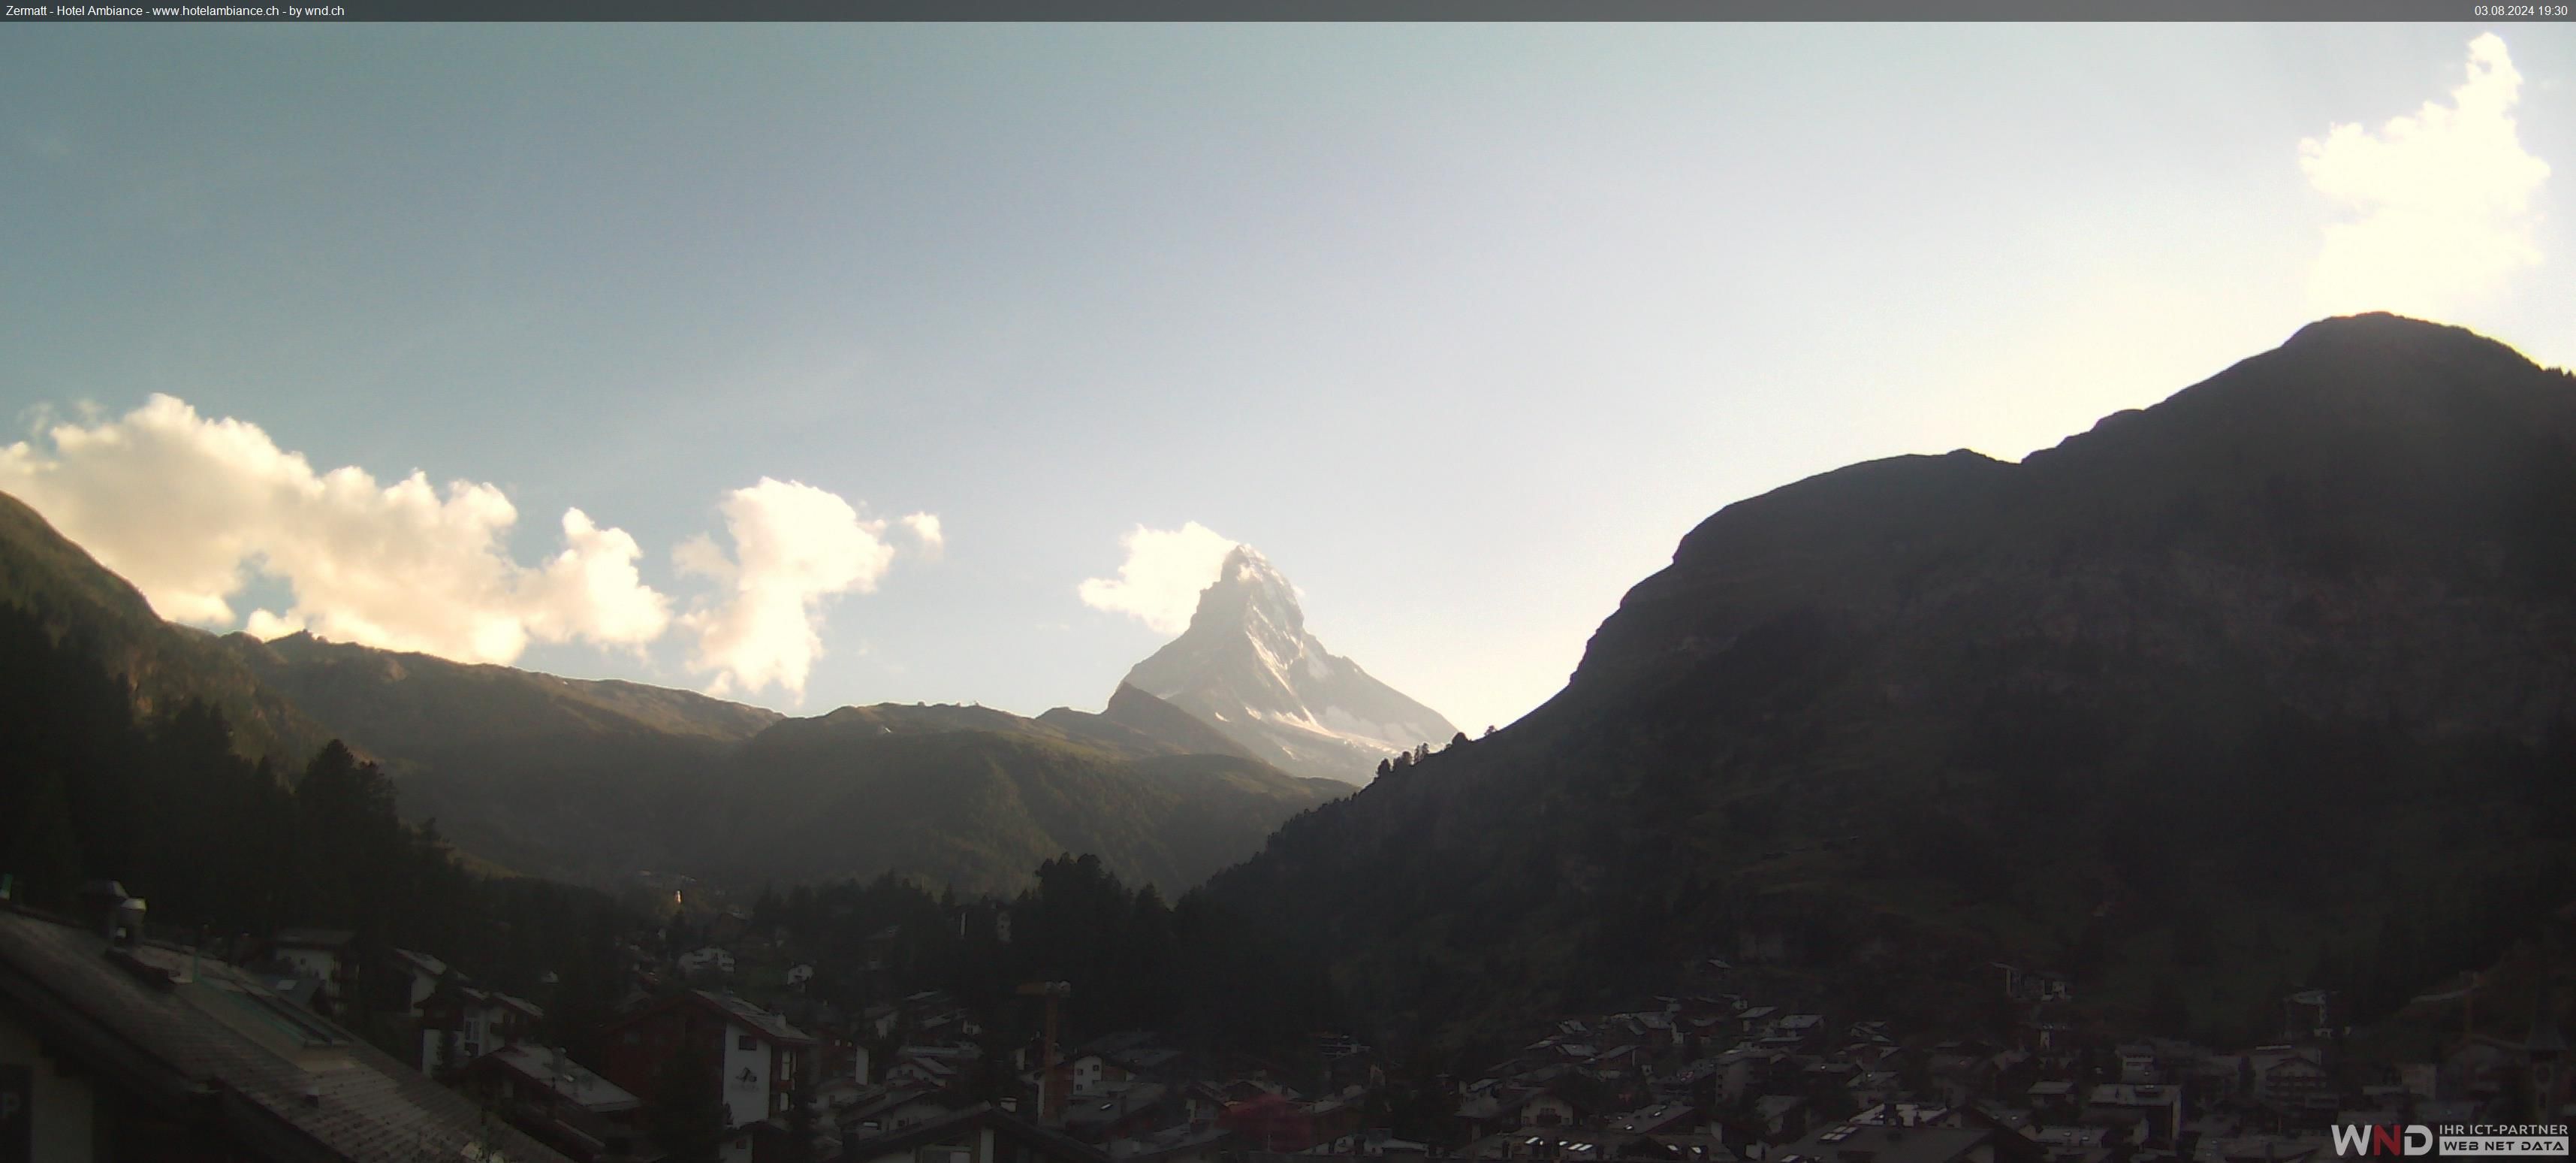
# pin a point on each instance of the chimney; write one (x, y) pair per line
(98, 902)
(127, 932)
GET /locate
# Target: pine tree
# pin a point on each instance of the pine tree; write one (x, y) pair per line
(48, 853)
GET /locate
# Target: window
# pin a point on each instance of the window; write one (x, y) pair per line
(746, 1042)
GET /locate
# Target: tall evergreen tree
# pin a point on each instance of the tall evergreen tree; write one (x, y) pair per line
(47, 855)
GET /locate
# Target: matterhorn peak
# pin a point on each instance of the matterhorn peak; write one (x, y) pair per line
(1247, 667)
(1248, 587)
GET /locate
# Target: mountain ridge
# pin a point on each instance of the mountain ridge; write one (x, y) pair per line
(2116, 709)
(1247, 667)
(592, 781)
(165, 664)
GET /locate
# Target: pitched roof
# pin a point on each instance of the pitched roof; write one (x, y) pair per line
(576, 1083)
(1049, 1144)
(731, 1008)
(218, 1047)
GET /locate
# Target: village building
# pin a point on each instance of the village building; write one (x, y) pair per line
(557, 1101)
(1856, 1143)
(120, 1050)
(755, 1058)
(978, 1134)
(459, 1023)
(325, 955)
(422, 973)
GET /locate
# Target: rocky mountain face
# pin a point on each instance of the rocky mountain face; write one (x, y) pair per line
(1247, 667)
(593, 782)
(413, 706)
(2273, 683)
(165, 664)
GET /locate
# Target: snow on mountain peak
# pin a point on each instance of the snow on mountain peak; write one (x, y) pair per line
(1247, 666)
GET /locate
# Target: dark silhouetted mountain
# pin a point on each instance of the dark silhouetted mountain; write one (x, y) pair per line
(595, 781)
(414, 705)
(1247, 667)
(2271, 683)
(1136, 721)
(977, 798)
(165, 664)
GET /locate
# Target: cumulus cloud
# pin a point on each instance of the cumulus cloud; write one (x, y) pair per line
(2440, 201)
(189, 509)
(1160, 582)
(794, 547)
(924, 528)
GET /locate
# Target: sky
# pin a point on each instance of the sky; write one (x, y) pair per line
(846, 364)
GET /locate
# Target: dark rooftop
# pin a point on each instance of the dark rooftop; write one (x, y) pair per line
(205, 1043)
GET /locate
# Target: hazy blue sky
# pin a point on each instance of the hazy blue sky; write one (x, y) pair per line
(1463, 327)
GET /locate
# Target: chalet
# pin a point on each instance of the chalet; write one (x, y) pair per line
(324, 955)
(422, 972)
(924, 1070)
(2072, 1144)
(1154, 1061)
(121, 1050)
(555, 1100)
(1129, 1110)
(771, 1140)
(2158, 1109)
(1797, 1029)
(1335, 1116)
(891, 1109)
(1850, 1143)
(977, 1134)
(1871, 1088)
(2288, 1081)
(1659, 1119)
(1543, 1108)
(2053, 1099)
(1093, 1072)
(459, 1023)
(1780, 1118)
(711, 959)
(1270, 1122)
(1194, 1144)
(755, 1058)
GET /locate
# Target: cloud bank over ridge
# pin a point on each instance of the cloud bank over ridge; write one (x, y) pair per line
(192, 510)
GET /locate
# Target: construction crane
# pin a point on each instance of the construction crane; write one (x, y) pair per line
(1050, 1088)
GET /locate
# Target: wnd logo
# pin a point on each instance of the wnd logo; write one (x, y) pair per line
(2385, 1139)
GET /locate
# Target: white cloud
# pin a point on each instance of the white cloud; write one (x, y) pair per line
(188, 508)
(2441, 200)
(1160, 582)
(794, 546)
(924, 528)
